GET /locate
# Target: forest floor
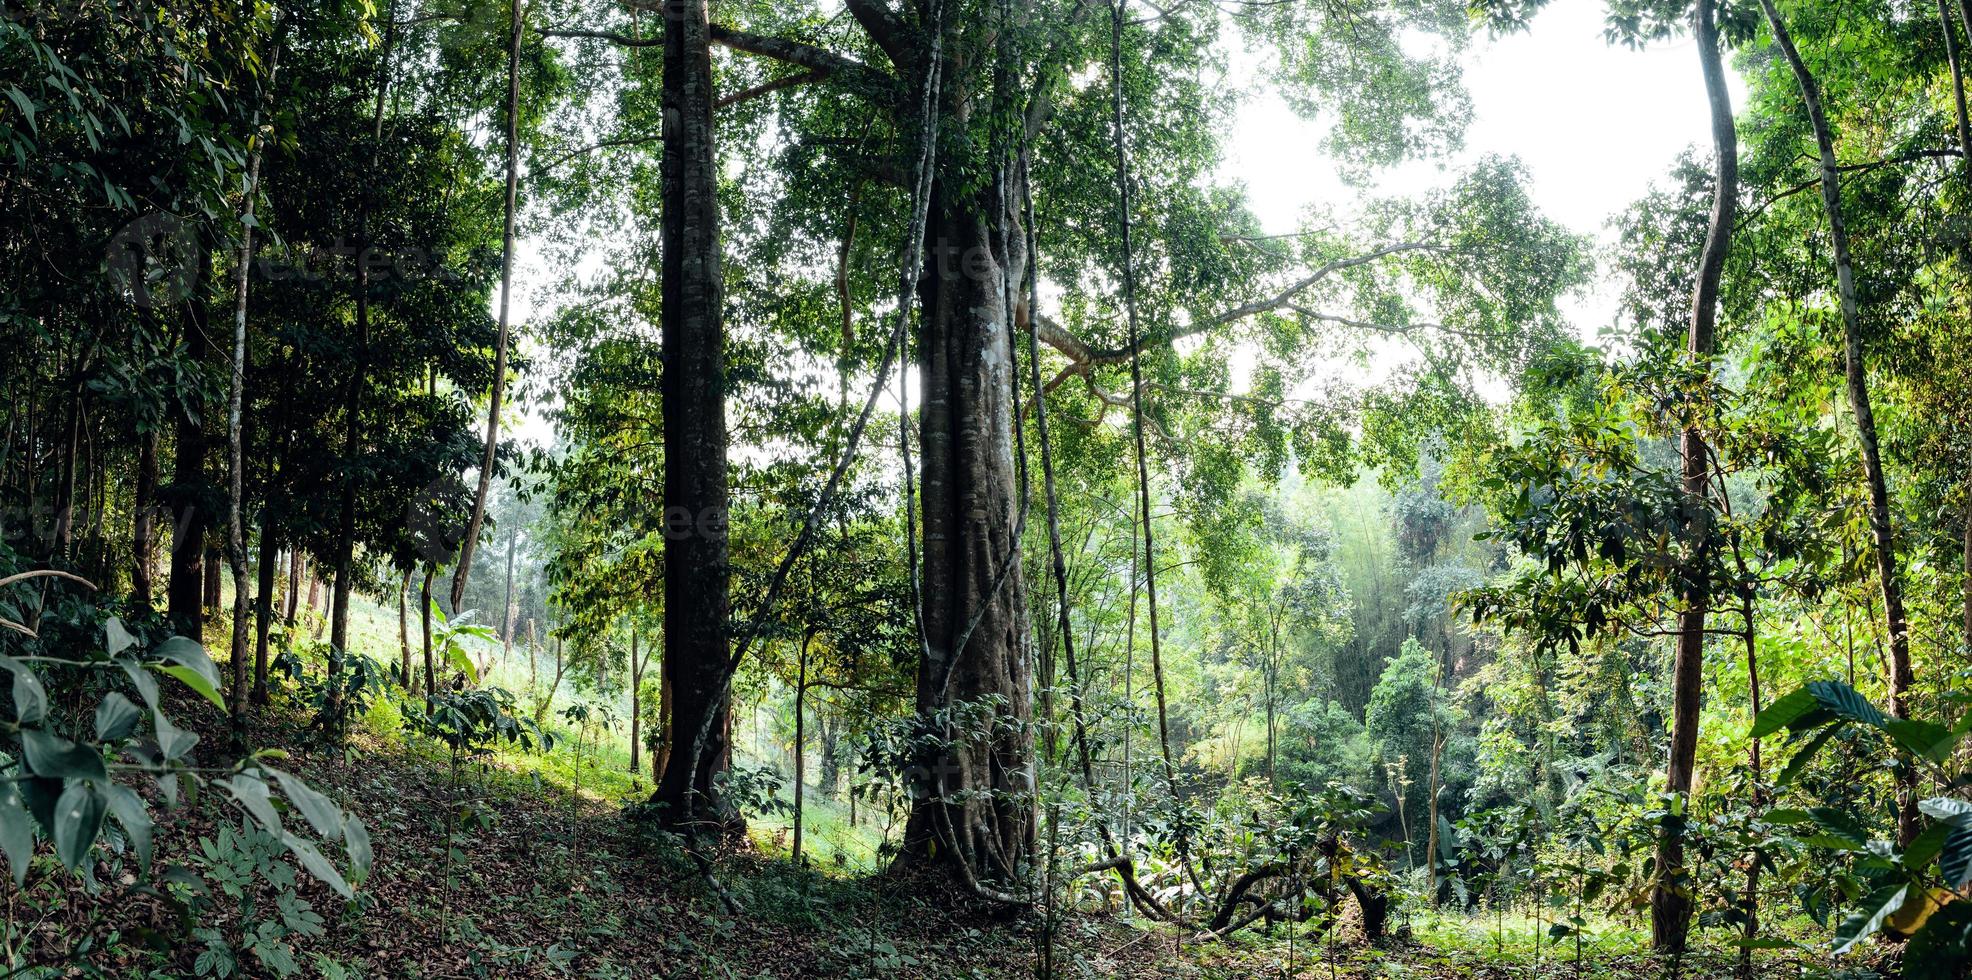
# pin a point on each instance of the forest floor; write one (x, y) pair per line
(558, 883)
(525, 865)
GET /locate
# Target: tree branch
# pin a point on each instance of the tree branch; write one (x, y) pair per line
(885, 28)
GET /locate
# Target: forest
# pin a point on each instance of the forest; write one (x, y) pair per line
(884, 488)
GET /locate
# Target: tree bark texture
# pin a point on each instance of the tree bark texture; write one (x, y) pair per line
(697, 572)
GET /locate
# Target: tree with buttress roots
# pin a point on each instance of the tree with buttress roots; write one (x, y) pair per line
(925, 131)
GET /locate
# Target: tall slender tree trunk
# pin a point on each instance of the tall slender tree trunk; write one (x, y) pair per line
(801, 747)
(424, 627)
(1964, 127)
(696, 562)
(352, 398)
(404, 629)
(212, 571)
(471, 539)
(264, 601)
(236, 541)
(144, 526)
(293, 601)
(636, 703)
(1670, 897)
(64, 529)
(1856, 371)
(507, 611)
(184, 592)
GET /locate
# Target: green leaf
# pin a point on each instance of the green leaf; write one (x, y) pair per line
(1868, 919)
(317, 865)
(1806, 754)
(116, 717)
(462, 661)
(142, 680)
(1923, 739)
(189, 652)
(26, 106)
(1955, 859)
(356, 841)
(115, 637)
(1926, 845)
(53, 757)
(134, 816)
(30, 698)
(78, 819)
(16, 831)
(320, 811)
(1946, 808)
(1782, 714)
(1847, 702)
(250, 792)
(172, 741)
(196, 681)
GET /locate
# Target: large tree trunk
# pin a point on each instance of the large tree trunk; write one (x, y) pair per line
(184, 592)
(974, 800)
(696, 564)
(1856, 372)
(1670, 898)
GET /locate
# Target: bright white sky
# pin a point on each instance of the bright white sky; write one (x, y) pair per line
(1594, 123)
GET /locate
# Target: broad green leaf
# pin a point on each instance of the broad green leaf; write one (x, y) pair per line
(320, 811)
(462, 661)
(116, 717)
(190, 653)
(317, 865)
(1846, 702)
(356, 840)
(1926, 845)
(16, 831)
(1782, 714)
(30, 698)
(1787, 816)
(53, 757)
(142, 680)
(78, 819)
(1803, 756)
(134, 816)
(250, 792)
(115, 638)
(196, 681)
(1869, 918)
(1946, 808)
(1923, 739)
(1955, 859)
(173, 742)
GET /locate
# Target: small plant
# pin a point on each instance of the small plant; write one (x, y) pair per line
(234, 864)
